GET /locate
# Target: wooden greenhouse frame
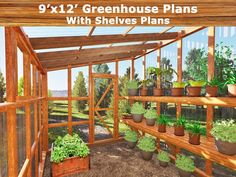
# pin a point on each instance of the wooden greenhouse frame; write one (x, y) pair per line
(42, 63)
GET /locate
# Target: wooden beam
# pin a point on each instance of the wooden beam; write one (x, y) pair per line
(211, 52)
(91, 106)
(72, 41)
(69, 101)
(91, 30)
(116, 102)
(179, 71)
(45, 111)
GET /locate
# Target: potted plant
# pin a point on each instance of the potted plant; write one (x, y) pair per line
(212, 87)
(195, 88)
(154, 73)
(151, 116)
(132, 87)
(163, 158)
(185, 165)
(127, 111)
(69, 155)
(162, 121)
(131, 137)
(137, 112)
(179, 126)
(143, 87)
(224, 132)
(195, 131)
(147, 145)
(231, 82)
(178, 88)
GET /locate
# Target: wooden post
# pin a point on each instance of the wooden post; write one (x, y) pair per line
(69, 102)
(45, 111)
(158, 104)
(116, 102)
(91, 106)
(144, 65)
(132, 69)
(11, 82)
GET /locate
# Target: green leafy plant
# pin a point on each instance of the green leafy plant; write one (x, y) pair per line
(68, 146)
(195, 128)
(131, 136)
(144, 83)
(147, 144)
(137, 108)
(163, 120)
(184, 163)
(179, 84)
(224, 130)
(163, 156)
(181, 121)
(230, 77)
(214, 82)
(196, 83)
(132, 84)
(151, 114)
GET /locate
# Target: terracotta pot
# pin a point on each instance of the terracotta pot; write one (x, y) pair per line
(194, 139)
(183, 173)
(211, 91)
(194, 91)
(162, 128)
(179, 130)
(132, 92)
(131, 145)
(128, 116)
(137, 117)
(157, 92)
(163, 164)
(232, 89)
(143, 92)
(150, 122)
(226, 147)
(177, 91)
(146, 155)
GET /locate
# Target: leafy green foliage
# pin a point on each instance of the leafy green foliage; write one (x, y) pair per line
(179, 84)
(68, 146)
(163, 156)
(163, 120)
(184, 163)
(131, 136)
(151, 114)
(21, 87)
(224, 130)
(147, 144)
(132, 84)
(145, 83)
(214, 82)
(195, 128)
(137, 108)
(196, 83)
(230, 77)
(2, 87)
(181, 121)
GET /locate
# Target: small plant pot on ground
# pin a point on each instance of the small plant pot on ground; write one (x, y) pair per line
(179, 130)
(162, 128)
(143, 92)
(163, 164)
(194, 91)
(132, 92)
(131, 138)
(137, 117)
(158, 92)
(232, 90)
(211, 91)
(150, 122)
(194, 138)
(146, 155)
(131, 145)
(225, 147)
(147, 145)
(177, 91)
(183, 173)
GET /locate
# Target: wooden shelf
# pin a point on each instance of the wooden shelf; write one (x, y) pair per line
(206, 149)
(213, 101)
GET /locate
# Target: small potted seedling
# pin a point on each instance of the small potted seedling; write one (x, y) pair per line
(195, 132)
(224, 132)
(179, 126)
(151, 116)
(143, 88)
(212, 87)
(162, 122)
(137, 112)
(195, 88)
(131, 137)
(163, 158)
(185, 165)
(231, 82)
(147, 145)
(132, 86)
(178, 88)
(127, 111)
(155, 73)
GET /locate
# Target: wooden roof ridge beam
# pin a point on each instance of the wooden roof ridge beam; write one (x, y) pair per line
(71, 41)
(91, 30)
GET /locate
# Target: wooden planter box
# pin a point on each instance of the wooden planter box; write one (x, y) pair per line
(70, 166)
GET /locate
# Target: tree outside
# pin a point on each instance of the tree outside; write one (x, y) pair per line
(21, 87)
(2, 88)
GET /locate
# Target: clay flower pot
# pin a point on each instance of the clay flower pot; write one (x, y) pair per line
(163, 164)
(137, 117)
(146, 155)
(226, 147)
(179, 130)
(194, 139)
(177, 91)
(132, 92)
(232, 89)
(131, 145)
(162, 128)
(143, 92)
(127, 116)
(183, 173)
(211, 91)
(157, 92)
(194, 91)
(150, 122)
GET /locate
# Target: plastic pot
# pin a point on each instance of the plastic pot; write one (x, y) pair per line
(132, 92)
(177, 91)
(146, 155)
(162, 128)
(137, 117)
(194, 91)
(179, 130)
(150, 122)
(131, 145)
(211, 91)
(232, 89)
(183, 173)
(225, 147)
(194, 138)
(163, 164)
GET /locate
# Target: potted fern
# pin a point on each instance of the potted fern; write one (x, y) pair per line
(131, 137)
(137, 112)
(224, 132)
(185, 165)
(162, 121)
(132, 86)
(151, 116)
(163, 158)
(179, 126)
(178, 88)
(195, 132)
(195, 87)
(212, 87)
(147, 145)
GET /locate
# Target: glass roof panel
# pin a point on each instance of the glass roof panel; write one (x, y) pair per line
(57, 49)
(127, 43)
(146, 29)
(95, 46)
(110, 30)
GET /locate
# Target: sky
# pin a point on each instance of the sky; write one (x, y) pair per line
(57, 80)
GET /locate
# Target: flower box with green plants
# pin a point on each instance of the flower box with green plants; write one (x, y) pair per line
(231, 81)
(162, 122)
(178, 88)
(132, 86)
(224, 132)
(195, 87)
(131, 137)
(151, 116)
(147, 145)
(163, 158)
(212, 87)
(137, 112)
(195, 131)
(179, 126)
(185, 165)
(69, 155)
(144, 87)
